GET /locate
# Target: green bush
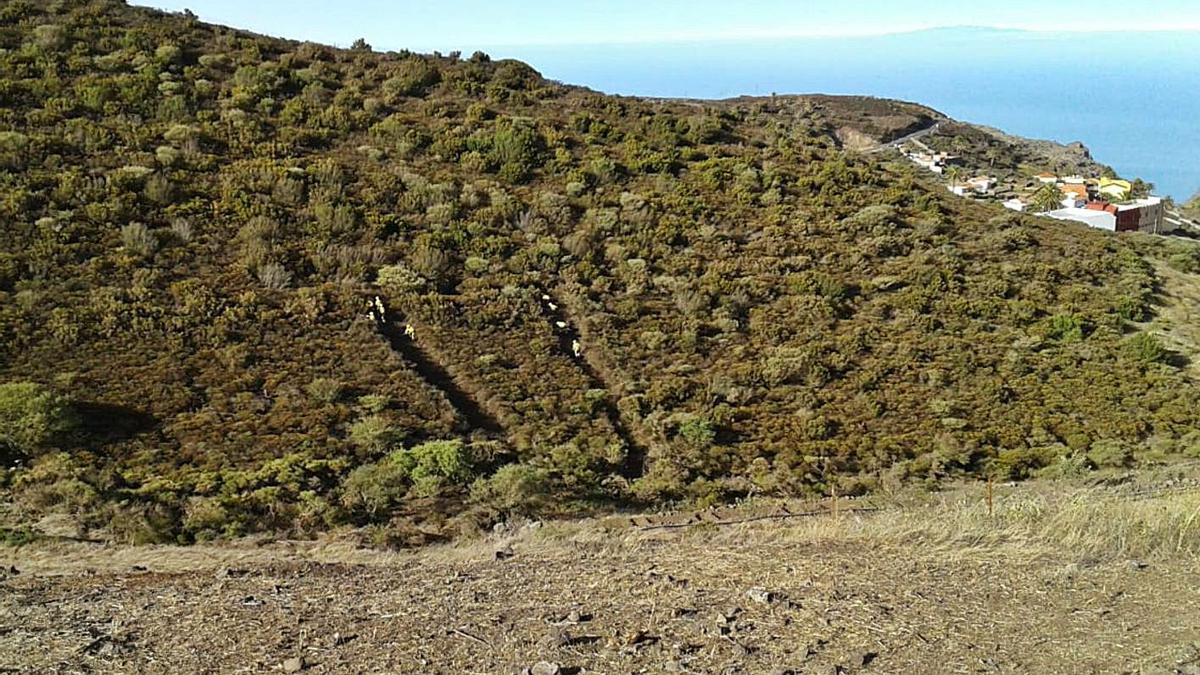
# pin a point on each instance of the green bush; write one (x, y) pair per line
(412, 77)
(374, 403)
(33, 417)
(1065, 328)
(515, 489)
(697, 432)
(374, 433)
(1110, 454)
(375, 489)
(422, 471)
(17, 537)
(399, 278)
(513, 149)
(1021, 463)
(325, 389)
(435, 464)
(1133, 308)
(1147, 348)
(1186, 261)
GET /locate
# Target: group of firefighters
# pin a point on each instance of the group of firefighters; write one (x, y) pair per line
(378, 314)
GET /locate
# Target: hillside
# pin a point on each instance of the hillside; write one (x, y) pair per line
(1192, 208)
(991, 150)
(261, 285)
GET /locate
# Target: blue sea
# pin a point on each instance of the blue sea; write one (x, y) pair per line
(1132, 98)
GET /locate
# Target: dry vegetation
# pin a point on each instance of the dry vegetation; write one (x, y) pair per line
(202, 228)
(1176, 316)
(1059, 577)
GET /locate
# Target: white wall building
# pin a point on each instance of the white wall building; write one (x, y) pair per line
(982, 184)
(1101, 220)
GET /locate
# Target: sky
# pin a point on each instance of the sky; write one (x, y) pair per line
(466, 25)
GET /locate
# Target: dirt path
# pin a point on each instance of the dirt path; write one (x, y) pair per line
(569, 332)
(753, 599)
(916, 136)
(428, 367)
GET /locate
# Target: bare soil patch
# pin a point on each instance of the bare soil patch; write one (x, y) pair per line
(822, 595)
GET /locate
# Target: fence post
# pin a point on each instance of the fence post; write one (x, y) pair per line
(990, 480)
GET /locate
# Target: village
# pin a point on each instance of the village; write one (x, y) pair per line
(1105, 203)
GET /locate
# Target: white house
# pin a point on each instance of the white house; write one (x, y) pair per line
(1101, 220)
(1015, 204)
(931, 162)
(982, 184)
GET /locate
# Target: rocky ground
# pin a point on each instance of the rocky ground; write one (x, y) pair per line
(810, 595)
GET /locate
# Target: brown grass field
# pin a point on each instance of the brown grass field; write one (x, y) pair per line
(1059, 577)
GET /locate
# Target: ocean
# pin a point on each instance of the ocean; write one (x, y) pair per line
(1132, 98)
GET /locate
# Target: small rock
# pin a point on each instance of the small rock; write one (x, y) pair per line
(864, 659)
(761, 595)
(728, 616)
(638, 638)
(339, 639)
(545, 668)
(293, 665)
(555, 639)
(504, 553)
(1135, 565)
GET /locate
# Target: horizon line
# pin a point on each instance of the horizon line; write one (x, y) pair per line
(683, 38)
(737, 36)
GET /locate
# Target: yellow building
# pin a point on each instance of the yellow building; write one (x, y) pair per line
(1116, 189)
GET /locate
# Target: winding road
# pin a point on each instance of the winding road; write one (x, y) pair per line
(915, 136)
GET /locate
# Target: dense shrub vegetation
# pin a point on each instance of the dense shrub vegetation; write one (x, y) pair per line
(203, 228)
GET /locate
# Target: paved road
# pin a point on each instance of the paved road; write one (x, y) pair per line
(1179, 220)
(916, 136)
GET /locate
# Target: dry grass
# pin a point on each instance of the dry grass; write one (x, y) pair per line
(1028, 522)
(931, 584)
(1178, 313)
(1085, 523)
